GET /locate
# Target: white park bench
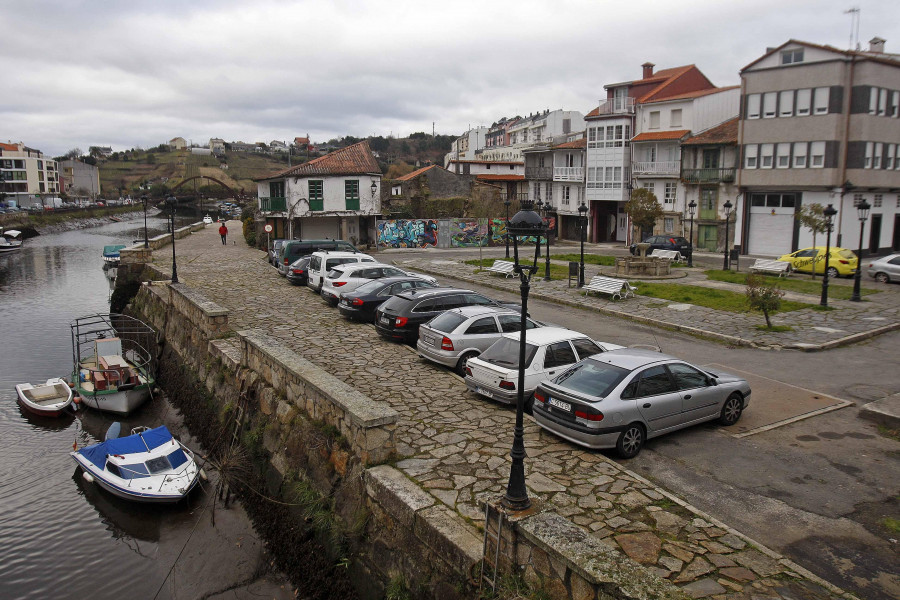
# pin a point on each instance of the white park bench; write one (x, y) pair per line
(503, 267)
(609, 285)
(775, 267)
(667, 254)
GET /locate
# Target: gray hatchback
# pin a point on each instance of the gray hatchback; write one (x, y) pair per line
(456, 335)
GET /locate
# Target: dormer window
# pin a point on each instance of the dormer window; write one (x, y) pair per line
(789, 57)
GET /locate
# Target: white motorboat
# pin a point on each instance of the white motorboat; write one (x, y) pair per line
(148, 466)
(45, 399)
(10, 240)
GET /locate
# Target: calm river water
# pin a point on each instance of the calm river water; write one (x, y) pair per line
(59, 536)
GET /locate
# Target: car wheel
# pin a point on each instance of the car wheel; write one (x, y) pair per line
(630, 441)
(731, 410)
(882, 277)
(461, 364)
(833, 273)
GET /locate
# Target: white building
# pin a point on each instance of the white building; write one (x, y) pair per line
(466, 146)
(27, 177)
(79, 181)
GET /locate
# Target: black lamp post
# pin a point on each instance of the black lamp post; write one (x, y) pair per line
(144, 202)
(692, 206)
(171, 202)
(829, 213)
(539, 209)
(727, 207)
(582, 222)
(506, 203)
(863, 210)
(548, 208)
(525, 223)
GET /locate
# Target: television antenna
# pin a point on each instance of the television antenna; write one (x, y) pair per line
(854, 27)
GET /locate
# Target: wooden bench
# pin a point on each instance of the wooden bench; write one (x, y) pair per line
(503, 267)
(667, 254)
(609, 285)
(775, 267)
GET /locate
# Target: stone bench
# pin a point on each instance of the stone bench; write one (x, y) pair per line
(667, 254)
(775, 267)
(503, 267)
(609, 285)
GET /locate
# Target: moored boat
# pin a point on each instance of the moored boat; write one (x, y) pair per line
(111, 255)
(48, 399)
(149, 465)
(113, 362)
(9, 240)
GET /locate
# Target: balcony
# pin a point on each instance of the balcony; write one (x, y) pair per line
(568, 174)
(707, 175)
(616, 106)
(515, 197)
(273, 204)
(538, 173)
(664, 167)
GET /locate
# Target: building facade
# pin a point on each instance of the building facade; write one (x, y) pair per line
(80, 181)
(555, 177)
(27, 177)
(819, 125)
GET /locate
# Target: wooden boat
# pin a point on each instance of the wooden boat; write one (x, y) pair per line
(148, 466)
(114, 364)
(49, 399)
(9, 240)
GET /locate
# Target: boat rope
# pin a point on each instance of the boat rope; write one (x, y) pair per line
(212, 498)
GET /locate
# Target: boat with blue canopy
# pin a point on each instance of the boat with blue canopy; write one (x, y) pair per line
(149, 465)
(111, 255)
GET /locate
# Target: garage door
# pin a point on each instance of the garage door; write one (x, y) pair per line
(771, 223)
(319, 228)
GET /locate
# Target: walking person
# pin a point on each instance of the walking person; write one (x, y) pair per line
(223, 231)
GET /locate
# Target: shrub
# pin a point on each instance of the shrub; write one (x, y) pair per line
(763, 296)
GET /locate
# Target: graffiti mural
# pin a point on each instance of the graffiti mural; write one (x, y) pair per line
(407, 233)
(498, 230)
(468, 233)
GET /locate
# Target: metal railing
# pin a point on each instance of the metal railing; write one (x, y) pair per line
(660, 167)
(518, 196)
(707, 175)
(568, 173)
(617, 106)
(273, 204)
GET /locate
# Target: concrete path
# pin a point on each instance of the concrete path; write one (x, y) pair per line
(456, 445)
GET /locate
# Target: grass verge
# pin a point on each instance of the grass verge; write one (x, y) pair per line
(800, 286)
(708, 297)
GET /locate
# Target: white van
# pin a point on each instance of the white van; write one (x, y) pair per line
(322, 262)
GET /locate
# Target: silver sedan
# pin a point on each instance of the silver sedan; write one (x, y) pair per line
(620, 399)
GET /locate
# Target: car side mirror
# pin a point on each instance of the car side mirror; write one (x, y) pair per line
(712, 381)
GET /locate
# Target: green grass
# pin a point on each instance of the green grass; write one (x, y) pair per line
(589, 259)
(708, 297)
(559, 272)
(891, 524)
(791, 284)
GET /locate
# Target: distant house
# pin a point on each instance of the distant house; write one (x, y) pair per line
(242, 147)
(434, 183)
(335, 196)
(301, 143)
(178, 143)
(217, 145)
(277, 146)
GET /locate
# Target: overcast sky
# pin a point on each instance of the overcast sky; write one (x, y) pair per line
(82, 73)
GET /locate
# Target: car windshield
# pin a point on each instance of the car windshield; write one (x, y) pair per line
(447, 322)
(505, 352)
(369, 287)
(592, 377)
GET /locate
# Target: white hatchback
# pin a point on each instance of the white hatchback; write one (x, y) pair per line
(323, 261)
(349, 276)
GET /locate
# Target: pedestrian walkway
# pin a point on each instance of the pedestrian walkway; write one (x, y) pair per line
(456, 445)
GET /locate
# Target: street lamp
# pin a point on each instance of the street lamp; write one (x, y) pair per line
(692, 206)
(727, 207)
(548, 208)
(506, 235)
(863, 210)
(582, 223)
(171, 202)
(525, 223)
(829, 213)
(144, 202)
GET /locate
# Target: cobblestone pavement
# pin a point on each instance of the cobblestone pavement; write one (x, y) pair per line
(457, 445)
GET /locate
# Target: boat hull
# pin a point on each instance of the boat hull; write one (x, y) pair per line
(118, 402)
(54, 405)
(126, 494)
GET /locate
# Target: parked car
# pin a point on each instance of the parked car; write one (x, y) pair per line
(841, 261)
(321, 263)
(298, 271)
(349, 276)
(548, 352)
(399, 318)
(456, 335)
(291, 250)
(622, 398)
(666, 242)
(885, 269)
(361, 303)
(207, 220)
(273, 253)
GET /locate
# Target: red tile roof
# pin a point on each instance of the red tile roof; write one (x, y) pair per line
(416, 173)
(352, 160)
(491, 177)
(664, 85)
(10, 147)
(725, 133)
(652, 136)
(574, 144)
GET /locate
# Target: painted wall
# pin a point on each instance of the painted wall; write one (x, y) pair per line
(464, 233)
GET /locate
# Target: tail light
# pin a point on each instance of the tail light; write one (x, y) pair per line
(338, 283)
(468, 371)
(588, 416)
(356, 302)
(400, 321)
(286, 263)
(446, 344)
(298, 271)
(507, 385)
(844, 262)
(540, 397)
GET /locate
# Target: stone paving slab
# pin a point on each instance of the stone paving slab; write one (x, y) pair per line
(456, 446)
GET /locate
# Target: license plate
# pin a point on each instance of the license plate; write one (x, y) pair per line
(560, 404)
(384, 320)
(484, 392)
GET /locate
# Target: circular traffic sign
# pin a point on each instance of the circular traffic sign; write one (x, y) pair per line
(268, 228)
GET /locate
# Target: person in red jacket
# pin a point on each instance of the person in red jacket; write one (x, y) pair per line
(223, 231)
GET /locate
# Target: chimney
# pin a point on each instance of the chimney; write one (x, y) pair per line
(648, 69)
(876, 45)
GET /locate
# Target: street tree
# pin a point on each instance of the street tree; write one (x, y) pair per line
(812, 216)
(763, 296)
(643, 209)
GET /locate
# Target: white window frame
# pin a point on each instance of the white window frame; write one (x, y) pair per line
(668, 224)
(873, 100)
(877, 200)
(770, 103)
(766, 156)
(670, 192)
(820, 100)
(654, 119)
(789, 57)
(876, 161)
(754, 102)
(817, 155)
(675, 117)
(803, 102)
(649, 185)
(870, 152)
(800, 157)
(566, 194)
(751, 156)
(786, 103)
(889, 158)
(882, 102)
(783, 155)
